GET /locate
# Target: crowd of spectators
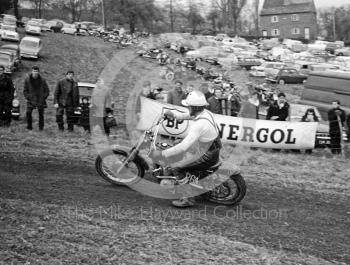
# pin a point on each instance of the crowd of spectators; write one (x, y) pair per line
(66, 99)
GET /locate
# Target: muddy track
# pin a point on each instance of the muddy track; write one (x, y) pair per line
(279, 219)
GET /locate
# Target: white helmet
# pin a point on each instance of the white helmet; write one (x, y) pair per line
(195, 99)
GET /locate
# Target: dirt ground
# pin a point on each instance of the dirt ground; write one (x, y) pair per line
(55, 209)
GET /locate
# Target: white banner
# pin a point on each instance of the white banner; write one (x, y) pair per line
(233, 130)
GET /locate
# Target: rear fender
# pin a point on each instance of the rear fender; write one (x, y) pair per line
(138, 159)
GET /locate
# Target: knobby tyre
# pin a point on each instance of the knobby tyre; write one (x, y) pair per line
(108, 162)
(231, 192)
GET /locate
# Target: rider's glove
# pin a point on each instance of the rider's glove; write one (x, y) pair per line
(169, 114)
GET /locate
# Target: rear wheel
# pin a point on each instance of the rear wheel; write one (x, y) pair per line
(108, 165)
(230, 192)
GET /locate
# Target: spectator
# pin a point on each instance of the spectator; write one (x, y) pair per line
(235, 103)
(189, 89)
(146, 92)
(336, 118)
(250, 108)
(214, 102)
(66, 99)
(7, 91)
(85, 114)
(176, 95)
(279, 110)
(36, 91)
(210, 91)
(309, 116)
(78, 28)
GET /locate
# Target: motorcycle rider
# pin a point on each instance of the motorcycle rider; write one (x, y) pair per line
(203, 137)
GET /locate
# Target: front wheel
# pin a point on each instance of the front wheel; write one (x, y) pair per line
(230, 192)
(109, 165)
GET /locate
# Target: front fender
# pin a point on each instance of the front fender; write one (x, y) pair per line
(138, 159)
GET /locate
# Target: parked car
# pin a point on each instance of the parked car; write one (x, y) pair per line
(30, 47)
(322, 54)
(55, 25)
(9, 20)
(287, 76)
(42, 24)
(331, 47)
(12, 55)
(7, 62)
(85, 90)
(220, 37)
(267, 68)
(15, 49)
(249, 62)
(204, 52)
(33, 27)
(342, 52)
(9, 32)
(69, 29)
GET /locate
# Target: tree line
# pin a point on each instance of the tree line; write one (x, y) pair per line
(334, 23)
(172, 16)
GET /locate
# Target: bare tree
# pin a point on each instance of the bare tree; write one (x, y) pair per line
(194, 17)
(39, 5)
(235, 8)
(75, 7)
(257, 28)
(213, 16)
(223, 5)
(15, 8)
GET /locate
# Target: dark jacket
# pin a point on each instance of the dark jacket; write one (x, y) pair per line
(67, 93)
(333, 120)
(85, 114)
(214, 105)
(7, 89)
(175, 97)
(274, 110)
(36, 91)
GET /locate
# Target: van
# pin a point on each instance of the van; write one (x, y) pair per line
(321, 88)
(30, 47)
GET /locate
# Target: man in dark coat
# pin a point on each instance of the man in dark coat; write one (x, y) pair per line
(335, 129)
(279, 110)
(7, 91)
(215, 103)
(177, 94)
(36, 91)
(66, 99)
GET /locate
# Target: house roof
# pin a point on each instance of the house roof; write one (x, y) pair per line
(277, 7)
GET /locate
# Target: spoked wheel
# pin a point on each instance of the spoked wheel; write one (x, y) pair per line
(230, 192)
(111, 166)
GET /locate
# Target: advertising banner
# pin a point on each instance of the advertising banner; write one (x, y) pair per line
(234, 130)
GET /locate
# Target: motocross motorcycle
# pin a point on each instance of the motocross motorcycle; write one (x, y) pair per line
(226, 187)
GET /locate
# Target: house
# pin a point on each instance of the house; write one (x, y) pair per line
(292, 19)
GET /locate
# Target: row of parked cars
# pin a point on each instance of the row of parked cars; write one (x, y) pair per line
(11, 54)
